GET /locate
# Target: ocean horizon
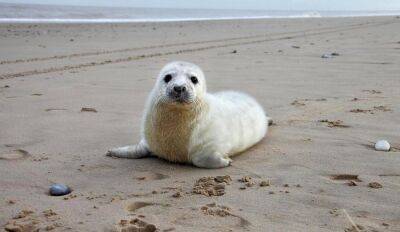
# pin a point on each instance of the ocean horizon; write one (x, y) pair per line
(26, 13)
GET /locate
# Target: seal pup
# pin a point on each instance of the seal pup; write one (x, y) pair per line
(183, 123)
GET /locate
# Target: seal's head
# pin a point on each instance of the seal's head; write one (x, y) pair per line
(181, 84)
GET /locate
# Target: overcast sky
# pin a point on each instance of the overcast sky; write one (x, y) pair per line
(234, 4)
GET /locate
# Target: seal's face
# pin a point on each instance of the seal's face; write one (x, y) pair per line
(181, 83)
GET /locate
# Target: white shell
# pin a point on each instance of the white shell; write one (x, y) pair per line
(382, 145)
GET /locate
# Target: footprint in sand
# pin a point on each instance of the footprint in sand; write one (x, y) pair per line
(137, 205)
(151, 176)
(135, 225)
(15, 155)
(223, 211)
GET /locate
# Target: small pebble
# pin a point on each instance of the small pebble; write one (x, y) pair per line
(382, 145)
(59, 190)
(375, 185)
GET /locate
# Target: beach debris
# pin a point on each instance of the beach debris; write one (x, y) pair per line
(295, 46)
(355, 227)
(345, 177)
(337, 123)
(211, 186)
(330, 55)
(88, 109)
(216, 210)
(382, 145)
(326, 56)
(59, 190)
(372, 91)
(6, 86)
(375, 185)
(234, 51)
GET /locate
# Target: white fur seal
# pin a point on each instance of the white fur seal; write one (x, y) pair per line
(183, 123)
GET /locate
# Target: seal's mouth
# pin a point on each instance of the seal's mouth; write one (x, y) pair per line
(180, 98)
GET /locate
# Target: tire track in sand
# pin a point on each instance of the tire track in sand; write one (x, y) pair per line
(289, 35)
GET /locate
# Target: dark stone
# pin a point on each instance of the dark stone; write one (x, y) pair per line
(59, 190)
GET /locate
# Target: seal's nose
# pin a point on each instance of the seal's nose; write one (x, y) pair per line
(179, 89)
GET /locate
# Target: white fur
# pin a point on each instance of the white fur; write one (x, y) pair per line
(203, 129)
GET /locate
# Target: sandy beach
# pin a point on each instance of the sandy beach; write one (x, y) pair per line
(313, 171)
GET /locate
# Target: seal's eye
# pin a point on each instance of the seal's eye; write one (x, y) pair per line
(194, 80)
(167, 78)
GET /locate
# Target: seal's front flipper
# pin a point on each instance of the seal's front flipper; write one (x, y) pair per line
(215, 160)
(130, 152)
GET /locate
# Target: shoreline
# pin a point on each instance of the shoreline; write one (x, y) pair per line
(110, 21)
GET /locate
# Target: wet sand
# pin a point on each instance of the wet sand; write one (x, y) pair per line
(311, 173)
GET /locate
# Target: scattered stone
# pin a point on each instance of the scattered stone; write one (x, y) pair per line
(264, 183)
(385, 224)
(335, 54)
(211, 186)
(234, 51)
(337, 123)
(71, 40)
(294, 46)
(49, 213)
(6, 86)
(375, 185)
(297, 103)
(286, 185)
(23, 214)
(352, 183)
(59, 190)
(177, 195)
(334, 212)
(271, 192)
(88, 109)
(353, 229)
(382, 108)
(355, 99)
(11, 202)
(361, 111)
(382, 145)
(298, 186)
(242, 187)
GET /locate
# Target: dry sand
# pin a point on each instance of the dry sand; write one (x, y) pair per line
(317, 161)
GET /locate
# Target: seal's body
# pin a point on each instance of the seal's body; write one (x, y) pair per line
(183, 123)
